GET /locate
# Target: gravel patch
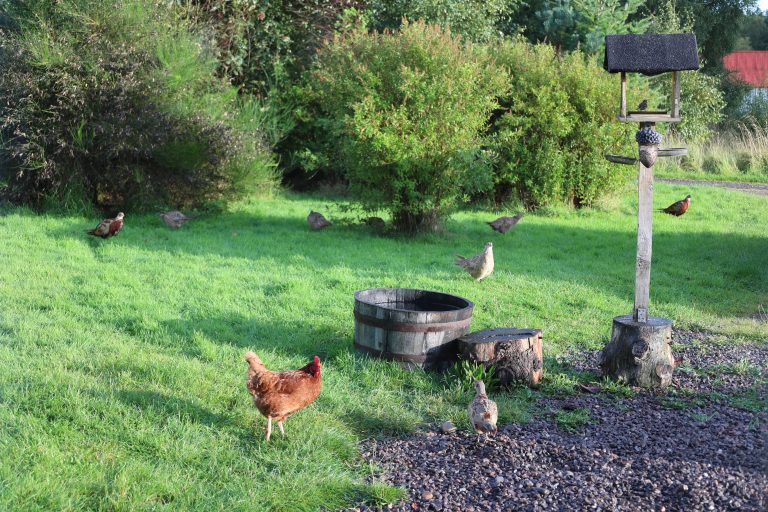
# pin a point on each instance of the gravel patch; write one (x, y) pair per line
(667, 450)
(709, 363)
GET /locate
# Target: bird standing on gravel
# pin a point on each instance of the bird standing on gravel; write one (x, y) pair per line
(479, 266)
(317, 221)
(504, 224)
(483, 412)
(174, 219)
(678, 208)
(108, 227)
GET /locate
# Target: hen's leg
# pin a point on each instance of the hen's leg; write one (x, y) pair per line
(269, 427)
(280, 426)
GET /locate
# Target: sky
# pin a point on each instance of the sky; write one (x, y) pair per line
(763, 4)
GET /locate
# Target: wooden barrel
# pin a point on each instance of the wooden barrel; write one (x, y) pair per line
(416, 328)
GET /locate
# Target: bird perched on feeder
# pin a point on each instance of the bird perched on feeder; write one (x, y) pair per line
(483, 412)
(643, 105)
(317, 221)
(479, 266)
(504, 224)
(678, 208)
(108, 227)
(174, 219)
(277, 395)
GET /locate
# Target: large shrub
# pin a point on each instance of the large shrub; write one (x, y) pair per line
(408, 110)
(556, 123)
(116, 103)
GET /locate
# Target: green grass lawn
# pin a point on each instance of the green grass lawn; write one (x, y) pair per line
(123, 380)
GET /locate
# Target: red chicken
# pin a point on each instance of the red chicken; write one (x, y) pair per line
(108, 227)
(678, 208)
(277, 395)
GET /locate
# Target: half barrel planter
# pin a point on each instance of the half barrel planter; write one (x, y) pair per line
(416, 328)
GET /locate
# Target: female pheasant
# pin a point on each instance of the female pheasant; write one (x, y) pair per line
(483, 412)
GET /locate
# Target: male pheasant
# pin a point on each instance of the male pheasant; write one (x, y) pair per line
(678, 208)
(108, 227)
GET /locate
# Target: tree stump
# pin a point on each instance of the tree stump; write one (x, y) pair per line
(639, 353)
(516, 353)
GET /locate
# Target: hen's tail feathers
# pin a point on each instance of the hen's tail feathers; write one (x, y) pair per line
(461, 260)
(253, 360)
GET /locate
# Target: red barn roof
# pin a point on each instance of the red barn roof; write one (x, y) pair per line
(749, 66)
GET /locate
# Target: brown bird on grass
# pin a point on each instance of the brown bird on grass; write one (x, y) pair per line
(678, 208)
(277, 395)
(483, 412)
(316, 220)
(174, 219)
(479, 266)
(504, 224)
(108, 227)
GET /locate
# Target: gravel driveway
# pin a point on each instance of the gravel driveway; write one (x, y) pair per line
(700, 445)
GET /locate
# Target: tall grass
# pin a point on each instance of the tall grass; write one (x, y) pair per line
(739, 154)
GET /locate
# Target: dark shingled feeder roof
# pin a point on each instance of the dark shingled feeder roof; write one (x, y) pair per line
(651, 54)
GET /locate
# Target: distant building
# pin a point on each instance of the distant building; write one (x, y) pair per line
(751, 67)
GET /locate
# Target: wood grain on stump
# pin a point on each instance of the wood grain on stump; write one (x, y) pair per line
(639, 354)
(516, 353)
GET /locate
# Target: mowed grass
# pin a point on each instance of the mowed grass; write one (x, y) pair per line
(123, 380)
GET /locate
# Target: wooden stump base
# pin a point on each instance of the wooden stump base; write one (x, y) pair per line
(639, 354)
(516, 353)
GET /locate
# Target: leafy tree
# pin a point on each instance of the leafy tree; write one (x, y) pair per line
(571, 24)
(713, 23)
(754, 29)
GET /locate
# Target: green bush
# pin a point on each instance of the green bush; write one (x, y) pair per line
(554, 128)
(116, 103)
(408, 110)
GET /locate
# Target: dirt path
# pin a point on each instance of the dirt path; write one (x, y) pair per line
(759, 189)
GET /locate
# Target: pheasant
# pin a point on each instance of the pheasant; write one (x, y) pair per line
(483, 412)
(678, 208)
(174, 219)
(479, 266)
(504, 224)
(108, 227)
(316, 220)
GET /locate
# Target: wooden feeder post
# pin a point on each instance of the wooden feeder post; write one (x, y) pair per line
(639, 352)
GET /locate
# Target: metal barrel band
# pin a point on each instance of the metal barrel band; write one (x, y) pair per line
(389, 355)
(403, 327)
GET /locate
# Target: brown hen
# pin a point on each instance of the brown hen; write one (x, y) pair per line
(277, 395)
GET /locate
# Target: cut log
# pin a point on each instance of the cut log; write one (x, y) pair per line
(516, 353)
(639, 353)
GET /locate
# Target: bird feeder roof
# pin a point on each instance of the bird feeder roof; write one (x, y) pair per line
(650, 54)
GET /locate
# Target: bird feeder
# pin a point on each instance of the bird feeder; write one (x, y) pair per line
(639, 352)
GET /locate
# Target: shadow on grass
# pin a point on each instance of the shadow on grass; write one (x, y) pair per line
(171, 406)
(706, 268)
